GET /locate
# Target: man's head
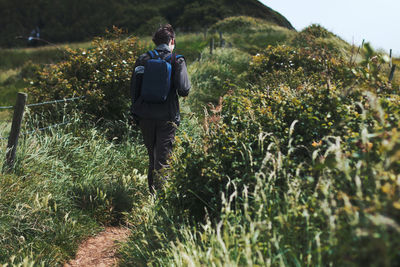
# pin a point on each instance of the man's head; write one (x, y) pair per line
(165, 35)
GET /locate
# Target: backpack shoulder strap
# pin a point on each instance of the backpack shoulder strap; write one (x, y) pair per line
(169, 58)
(153, 54)
(173, 57)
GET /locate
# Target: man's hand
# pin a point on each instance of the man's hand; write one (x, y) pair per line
(132, 120)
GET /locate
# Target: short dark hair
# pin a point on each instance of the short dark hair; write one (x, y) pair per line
(164, 35)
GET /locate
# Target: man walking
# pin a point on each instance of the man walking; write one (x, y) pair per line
(158, 116)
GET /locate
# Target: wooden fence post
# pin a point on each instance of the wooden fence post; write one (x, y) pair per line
(15, 129)
(221, 40)
(390, 59)
(391, 76)
(211, 46)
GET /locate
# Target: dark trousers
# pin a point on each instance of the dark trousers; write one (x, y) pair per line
(158, 138)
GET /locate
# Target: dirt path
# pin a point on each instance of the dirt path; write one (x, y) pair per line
(100, 250)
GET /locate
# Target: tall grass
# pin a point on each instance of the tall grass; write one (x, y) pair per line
(16, 58)
(66, 185)
(303, 175)
(17, 66)
(327, 212)
(250, 34)
(287, 199)
(214, 75)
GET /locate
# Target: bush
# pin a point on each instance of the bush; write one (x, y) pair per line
(248, 121)
(101, 74)
(251, 34)
(296, 67)
(240, 24)
(335, 208)
(300, 167)
(317, 38)
(317, 31)
(212, 75)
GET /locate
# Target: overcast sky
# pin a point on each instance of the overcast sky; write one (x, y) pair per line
(376, 21)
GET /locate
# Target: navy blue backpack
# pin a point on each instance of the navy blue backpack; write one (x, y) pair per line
(157, 77)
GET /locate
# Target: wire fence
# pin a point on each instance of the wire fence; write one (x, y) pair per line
(6, 107)
(47, 102)
(55, 101)
(37, 105)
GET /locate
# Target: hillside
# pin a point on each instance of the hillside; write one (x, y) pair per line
(288, 154)
(77, 20)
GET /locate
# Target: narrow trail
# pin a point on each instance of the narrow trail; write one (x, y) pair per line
(100, 250)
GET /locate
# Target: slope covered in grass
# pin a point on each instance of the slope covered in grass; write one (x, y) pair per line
(297, 164)
(67, 184)
(294, 162)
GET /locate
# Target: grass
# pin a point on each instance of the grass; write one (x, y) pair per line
(397, 72)
(5, 127)
(16, 66)
(213, 75)
(250, 34)
(16, 58)
(70, 182)
(329, 203)
(66, 185)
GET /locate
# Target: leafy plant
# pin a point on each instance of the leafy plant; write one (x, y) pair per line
(101, 74)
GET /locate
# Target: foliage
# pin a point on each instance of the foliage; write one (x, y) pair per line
(212, 74)
(13, 81)
(339, 215)
(101, 74)
(267, 182)
(298, 168)
(251, 34)
(317, 38)
(190, 46)
(295, 163)
(241, 24)
(65, 186)
(317, 31)
(295, 67)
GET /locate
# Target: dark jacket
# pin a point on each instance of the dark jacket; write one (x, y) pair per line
(169, 110)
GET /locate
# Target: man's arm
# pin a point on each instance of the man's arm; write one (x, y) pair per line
(181, 79)
(136, 81)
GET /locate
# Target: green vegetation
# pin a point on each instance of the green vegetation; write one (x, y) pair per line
(66, 185)
(299, 167)
(101, 74)
(213, 74)
(251, 34)
(295, 161)
(19, 65)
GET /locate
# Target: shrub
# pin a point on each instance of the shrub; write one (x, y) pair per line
(211, 76)
(251, 34)
(298, 168)
(240, 24)
(239, 129)
(317, 31)
(295, 67)
(101, 74)
(336, 208)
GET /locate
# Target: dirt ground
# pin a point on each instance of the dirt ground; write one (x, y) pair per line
(100, 250)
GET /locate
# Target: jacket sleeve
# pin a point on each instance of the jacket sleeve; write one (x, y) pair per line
(136, 81)
(181, 79)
